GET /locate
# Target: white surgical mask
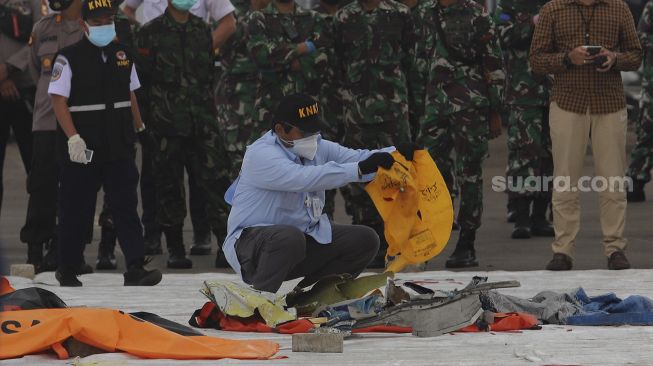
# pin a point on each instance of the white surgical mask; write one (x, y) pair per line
(305, 147)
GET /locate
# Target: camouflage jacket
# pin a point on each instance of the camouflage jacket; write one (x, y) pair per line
(514, 19)
(645, 30)
(233, 54)
(271, 41)
(469, 72)
(177, 68)
(374, 53)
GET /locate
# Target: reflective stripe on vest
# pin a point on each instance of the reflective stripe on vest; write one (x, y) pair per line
(98, 107)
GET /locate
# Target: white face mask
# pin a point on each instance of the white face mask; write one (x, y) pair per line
(305, 148)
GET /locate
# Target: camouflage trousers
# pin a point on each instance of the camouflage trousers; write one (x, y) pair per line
(236, 117)
(204, 155)
(641, 158)
(529, 151)
(369, 136)
(466, 133)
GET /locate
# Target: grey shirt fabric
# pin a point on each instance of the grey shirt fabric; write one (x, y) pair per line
(548, 306)
(15, 52)
(50, 34)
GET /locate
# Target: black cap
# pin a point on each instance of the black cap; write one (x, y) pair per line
(59, 5)
(97, 8)
(301, 111)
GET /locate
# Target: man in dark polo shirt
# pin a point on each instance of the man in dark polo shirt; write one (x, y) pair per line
(585, 44)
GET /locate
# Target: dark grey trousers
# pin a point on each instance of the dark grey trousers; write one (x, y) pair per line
(269, 255)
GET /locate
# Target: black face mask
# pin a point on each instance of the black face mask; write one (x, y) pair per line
(331, 2)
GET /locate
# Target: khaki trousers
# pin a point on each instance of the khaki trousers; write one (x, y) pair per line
(570, 134)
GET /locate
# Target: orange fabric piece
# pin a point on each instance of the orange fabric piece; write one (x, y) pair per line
(33, 331)
(415, 204)
(5, 287)
(504, 322)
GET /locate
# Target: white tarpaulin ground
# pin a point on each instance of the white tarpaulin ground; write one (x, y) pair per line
(178, 296)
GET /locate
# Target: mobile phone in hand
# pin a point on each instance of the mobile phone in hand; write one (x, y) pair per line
(593, 50)
(89, 155)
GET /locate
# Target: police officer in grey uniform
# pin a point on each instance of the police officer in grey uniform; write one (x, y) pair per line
(52, 33)
(16, 87)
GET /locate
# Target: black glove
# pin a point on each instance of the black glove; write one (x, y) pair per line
(376, 160)
(407, 149)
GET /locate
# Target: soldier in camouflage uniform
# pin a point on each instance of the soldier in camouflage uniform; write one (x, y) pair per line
(374, 49)
(641, 158)
(177, 67)
(290, 47)
(463, 85)
(236, 90)
(527, 97)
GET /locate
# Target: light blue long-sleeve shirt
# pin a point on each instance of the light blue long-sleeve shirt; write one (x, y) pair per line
(276, 187)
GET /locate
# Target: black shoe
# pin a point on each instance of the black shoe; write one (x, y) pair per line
(221, 260)
(84, 269)
(106, 259)
(636, 193)
(50, 259)
(136, 275)
(201, 243)
(618, 261)
(67, 278)
(464, 256)
(175, 242)
(179, 261)
(542, 228)
(153, 243)
(522, 230)
(560, 262)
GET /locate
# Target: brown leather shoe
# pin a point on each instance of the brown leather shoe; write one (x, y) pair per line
(618, 261)
(560, 262)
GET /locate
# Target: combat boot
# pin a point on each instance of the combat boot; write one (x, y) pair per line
(67, 277)
(106, 259)
(137, 275)
(464, 255)
(35, 256)
(201, 243)
(636, 193)
(176, 250)
(541, 226)
(522, 228)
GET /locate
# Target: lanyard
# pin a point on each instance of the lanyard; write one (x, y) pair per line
(586, 22)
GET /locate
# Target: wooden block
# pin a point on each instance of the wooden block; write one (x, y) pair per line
(22, 270)
(318, 343)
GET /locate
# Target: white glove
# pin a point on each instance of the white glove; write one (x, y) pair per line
(142, 128)
(77, 149)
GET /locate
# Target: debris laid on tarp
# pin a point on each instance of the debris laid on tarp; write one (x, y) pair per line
(576, 308)
(332, 290)
(415, 204)
(237, 300)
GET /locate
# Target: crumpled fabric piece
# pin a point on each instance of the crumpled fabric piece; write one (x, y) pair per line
(234, 299)
(416, 207)
(547, 306)
(608, 309)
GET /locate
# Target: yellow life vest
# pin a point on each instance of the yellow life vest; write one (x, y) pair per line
(415, 204)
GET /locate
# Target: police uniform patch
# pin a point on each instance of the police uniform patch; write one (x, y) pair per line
(121, 55)
(56, 73)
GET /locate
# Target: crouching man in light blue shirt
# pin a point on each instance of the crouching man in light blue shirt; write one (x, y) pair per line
(276, 228)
